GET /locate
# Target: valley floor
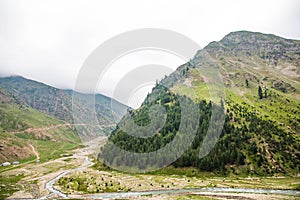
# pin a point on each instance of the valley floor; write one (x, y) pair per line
(37, 175)
(36, 179)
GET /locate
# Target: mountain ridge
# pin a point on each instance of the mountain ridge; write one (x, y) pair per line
(261, 131)
(33, 113)
(23, 129)
(59, 103)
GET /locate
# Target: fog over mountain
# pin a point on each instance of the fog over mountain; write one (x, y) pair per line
(42, 40)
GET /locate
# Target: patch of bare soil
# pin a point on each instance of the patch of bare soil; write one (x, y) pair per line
(291, 71)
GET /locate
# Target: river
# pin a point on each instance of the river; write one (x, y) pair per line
(191, 190)
(83, 155)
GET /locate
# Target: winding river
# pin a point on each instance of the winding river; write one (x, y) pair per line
(193, 190)
(88, 163)
(82, 154)
(49, 185)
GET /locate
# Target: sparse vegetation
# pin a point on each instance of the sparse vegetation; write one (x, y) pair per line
(9, 185)
(168, 178)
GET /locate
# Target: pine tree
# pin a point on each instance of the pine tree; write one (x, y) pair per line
(247, 83)
(260, 93)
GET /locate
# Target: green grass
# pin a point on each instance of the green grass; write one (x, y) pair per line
(17, 118)
(13, 140)
(280, 107)
(182, 177)
(63, 141)
(199, 91)
(22, 162)
(90, 185)
(296, 186)
(188, 172)
(8, 185)
(50, 150)
(66, 140)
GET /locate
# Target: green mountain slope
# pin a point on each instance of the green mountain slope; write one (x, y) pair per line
(59, 104)
(24, 130)
(249, 60)
(35, 115)
(261, 130)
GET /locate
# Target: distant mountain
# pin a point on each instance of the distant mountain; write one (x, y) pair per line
(25, 131)
(35, 115)
(261, 133)
(59, 103)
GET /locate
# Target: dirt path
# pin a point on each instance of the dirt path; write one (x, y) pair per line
(35, 152)
(81, 154)
(44, 175)
(33, 130)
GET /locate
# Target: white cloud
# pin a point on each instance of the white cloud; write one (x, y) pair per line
(49, 40)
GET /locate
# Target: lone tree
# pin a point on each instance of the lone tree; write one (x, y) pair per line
(260, 93)
(247, 83)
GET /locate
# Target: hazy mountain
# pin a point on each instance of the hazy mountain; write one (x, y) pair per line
(261, 75)
(25, 131)
(59, 103)
(35, 115)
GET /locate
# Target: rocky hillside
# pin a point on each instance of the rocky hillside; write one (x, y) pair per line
(25, 131)
(35, 116)
(59, 103)
(260, 135)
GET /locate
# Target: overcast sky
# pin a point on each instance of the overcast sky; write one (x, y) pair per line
(48, 41)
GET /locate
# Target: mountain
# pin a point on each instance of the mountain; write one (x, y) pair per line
(35, 117)
(261, 132)
(61, 105)
(27, 133)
